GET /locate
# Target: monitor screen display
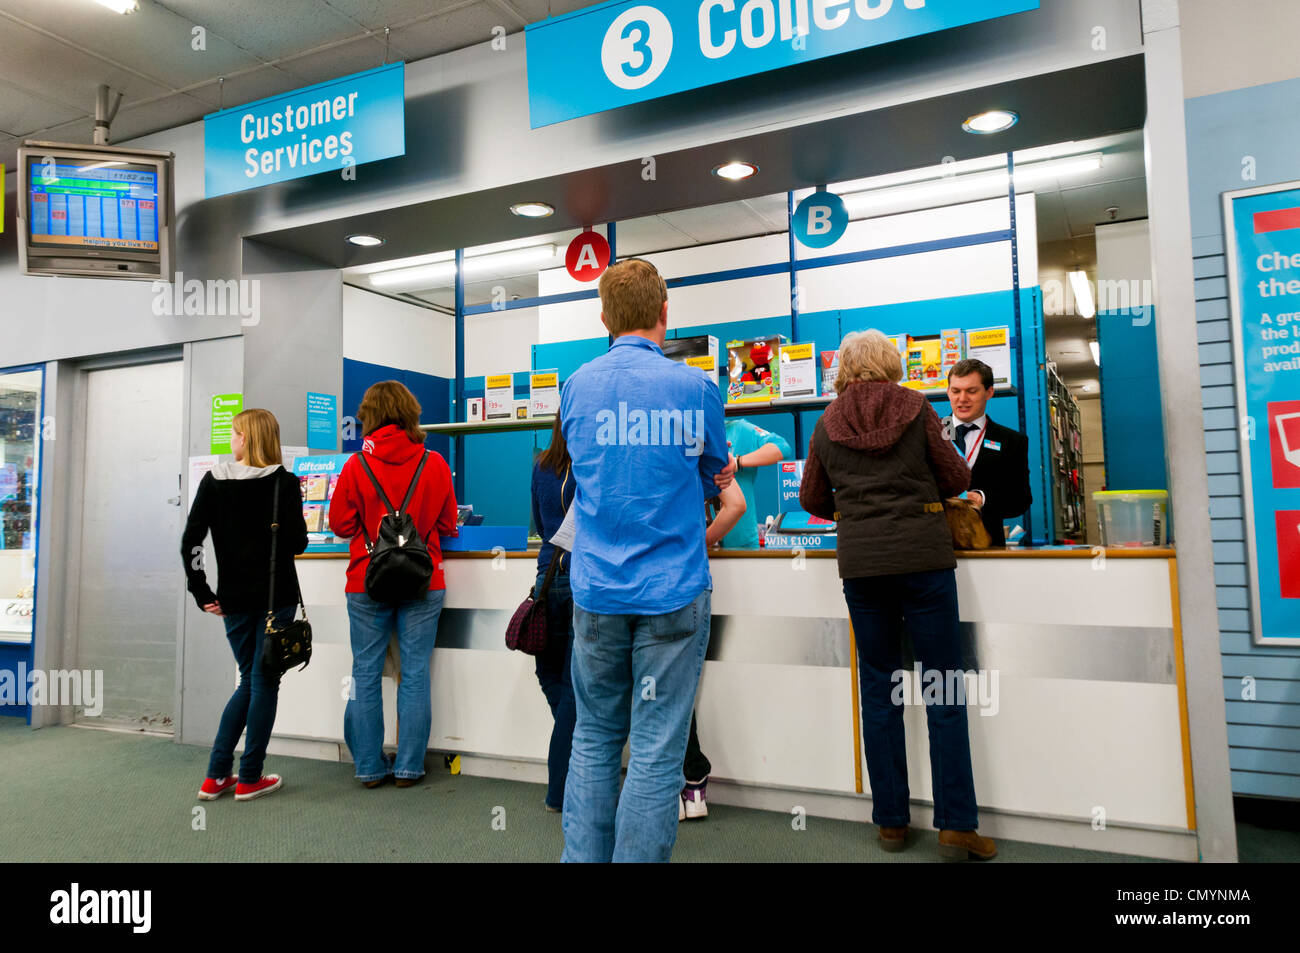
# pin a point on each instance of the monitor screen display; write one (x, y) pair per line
(92, 203)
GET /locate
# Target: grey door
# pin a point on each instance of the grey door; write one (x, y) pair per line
(129, 569)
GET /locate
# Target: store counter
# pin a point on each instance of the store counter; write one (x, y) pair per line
(1077, 714)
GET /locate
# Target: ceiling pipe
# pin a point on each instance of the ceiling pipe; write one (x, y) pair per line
(103, 114)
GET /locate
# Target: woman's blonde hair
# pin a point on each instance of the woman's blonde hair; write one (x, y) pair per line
(261, 437)
(867, 356)
(390, 402)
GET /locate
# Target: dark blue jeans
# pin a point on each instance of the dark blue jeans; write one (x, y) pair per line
(926, 604)
(553, 668)
(254, 701)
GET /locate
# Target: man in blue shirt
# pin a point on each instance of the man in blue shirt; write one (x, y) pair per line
(648, 445)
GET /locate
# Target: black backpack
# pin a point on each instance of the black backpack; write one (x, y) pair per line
(400, 565)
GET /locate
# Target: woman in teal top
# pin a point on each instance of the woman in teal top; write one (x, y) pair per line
(753, 447)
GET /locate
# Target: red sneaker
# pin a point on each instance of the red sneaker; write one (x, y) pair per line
(246, 792)
(213, 789)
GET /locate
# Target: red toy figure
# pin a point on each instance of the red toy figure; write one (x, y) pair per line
(761, 355)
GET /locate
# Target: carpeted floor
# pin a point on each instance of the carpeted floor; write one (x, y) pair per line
(78, 795)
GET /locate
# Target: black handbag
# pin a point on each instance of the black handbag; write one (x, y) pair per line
(289, 646)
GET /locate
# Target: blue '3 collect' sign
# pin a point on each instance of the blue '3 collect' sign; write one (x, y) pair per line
(627, 51)
(326, 127)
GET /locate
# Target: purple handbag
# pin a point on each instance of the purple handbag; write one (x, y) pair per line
(529, 630)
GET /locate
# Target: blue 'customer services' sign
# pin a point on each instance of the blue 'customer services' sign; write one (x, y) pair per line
(1263, 229)
(628, 51)
(323, 128)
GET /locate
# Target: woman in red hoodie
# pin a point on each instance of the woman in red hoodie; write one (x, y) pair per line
(880, 466)
(393, 445)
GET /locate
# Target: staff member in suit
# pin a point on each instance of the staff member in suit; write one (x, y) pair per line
(998, 456)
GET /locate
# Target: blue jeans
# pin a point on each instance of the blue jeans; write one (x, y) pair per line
(372, 624)
(252, 706)
(634, 680)
(926, 603)
(553, 674)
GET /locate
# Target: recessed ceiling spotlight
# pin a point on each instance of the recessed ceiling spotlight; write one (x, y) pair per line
(735, 171)
(532, 209)
(365, 241)
(995, 120)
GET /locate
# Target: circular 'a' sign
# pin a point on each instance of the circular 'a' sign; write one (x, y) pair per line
(587, 256)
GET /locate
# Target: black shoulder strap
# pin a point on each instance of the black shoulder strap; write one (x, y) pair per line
(275, 528)
(410, 490)
(378, 489)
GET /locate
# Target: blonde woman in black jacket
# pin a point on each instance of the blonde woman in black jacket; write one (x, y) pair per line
(235, 501)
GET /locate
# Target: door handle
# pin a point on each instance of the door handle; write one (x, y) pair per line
(174, 500)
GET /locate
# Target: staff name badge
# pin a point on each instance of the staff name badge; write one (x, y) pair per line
(992, 445)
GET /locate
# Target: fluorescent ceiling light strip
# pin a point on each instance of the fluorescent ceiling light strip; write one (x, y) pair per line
(431, 274)
(1084, 306)
(120, 6)
(959, 184)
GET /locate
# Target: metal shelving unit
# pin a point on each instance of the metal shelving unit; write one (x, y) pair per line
(1065, 434)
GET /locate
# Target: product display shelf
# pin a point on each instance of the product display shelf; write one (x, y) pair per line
(490, 426)
(790, 404)
(1067, 460)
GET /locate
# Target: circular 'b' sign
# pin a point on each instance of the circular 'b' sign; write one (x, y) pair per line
(820, 220)
(636, 48)
(587, 256)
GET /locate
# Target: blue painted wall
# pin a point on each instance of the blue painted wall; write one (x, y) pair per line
(433, 393)
(1262, 123)
(1132, 428)
(826, 329)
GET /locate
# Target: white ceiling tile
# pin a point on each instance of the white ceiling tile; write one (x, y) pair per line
(63, 74)
(270, 29)
(460, 28)
(353, 57)
(153, 40)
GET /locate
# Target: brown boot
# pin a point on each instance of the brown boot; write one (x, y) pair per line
(964, 845)
(892, 839)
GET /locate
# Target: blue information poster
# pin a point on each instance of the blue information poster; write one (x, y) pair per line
(1263, 245)
(322, 421)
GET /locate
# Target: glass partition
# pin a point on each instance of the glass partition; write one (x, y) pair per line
(20, 446)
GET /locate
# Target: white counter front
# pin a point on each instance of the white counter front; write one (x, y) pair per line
(1077, 715)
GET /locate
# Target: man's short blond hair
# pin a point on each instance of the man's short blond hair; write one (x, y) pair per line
(867, 356)
(632, 294)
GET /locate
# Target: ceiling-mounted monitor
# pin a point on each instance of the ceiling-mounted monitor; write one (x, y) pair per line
(95, 211)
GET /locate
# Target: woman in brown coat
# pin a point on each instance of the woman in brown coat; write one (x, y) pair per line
(880, 466)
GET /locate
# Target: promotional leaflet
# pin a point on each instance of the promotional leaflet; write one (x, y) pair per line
(544, 393)
(798, 370)
(499, 397)
(993, 347)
